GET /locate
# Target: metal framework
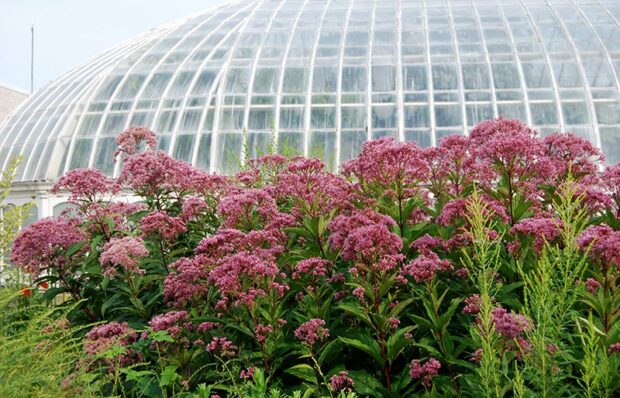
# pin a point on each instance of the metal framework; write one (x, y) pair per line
(331, 73)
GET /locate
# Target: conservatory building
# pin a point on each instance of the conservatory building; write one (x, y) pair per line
(320, 77)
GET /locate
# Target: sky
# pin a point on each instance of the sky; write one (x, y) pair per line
(69, 32)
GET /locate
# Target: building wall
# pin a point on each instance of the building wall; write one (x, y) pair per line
(9, 100)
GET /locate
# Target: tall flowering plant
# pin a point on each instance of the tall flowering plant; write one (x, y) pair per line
(471, 268)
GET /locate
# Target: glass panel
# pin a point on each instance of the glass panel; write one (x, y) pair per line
(383, 78)
(448, 115)
(292, 118)
(323, 145)
(237, 80)
(204, 82)
(295, 80)
(536, 75)
(324, 79)
(104, 160)
(511, 111)
(258, 144)
(184, 147)
(167, 120)
(229, 152)
(417, 116)
(354, 79)
(575, 113)
(191, 120)
(81, 153)
(543, 113)
(475, 76)
(90, 124)
(506, 76)
(204, 152)
(608, 112)
(156, 86)
(260, 119)
(567, 74)
(477, 113)
(232, 119)
(290, 143)
(266, 80)
(445, 77)
(354, 117)
(610, 141)
(114, 124)
(32, 216)
(414, 78)
(351, 144)
(384, 117)
(323, 118)
(131, 86)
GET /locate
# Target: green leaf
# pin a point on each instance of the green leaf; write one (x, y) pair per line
(397, 342)
(304, 372)
(161, 336)
(356, 310)
(365, 384)
(367, 344)
(168, 375)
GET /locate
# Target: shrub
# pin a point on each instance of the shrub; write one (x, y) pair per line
(484, 265)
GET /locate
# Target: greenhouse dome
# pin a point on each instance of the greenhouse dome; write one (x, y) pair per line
(323, 76)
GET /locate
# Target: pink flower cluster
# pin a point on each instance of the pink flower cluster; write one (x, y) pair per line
(375, 246)
(161, 224)
(341, 382)
(542, 229)
(104, 337)
(173, 322)
(389, 164)
(222, 346)
(252, 209)
(129, 141)
(472, 304)
(510, 325)
(43, 245)
(602, 242)
(124, 252)
(244, 277)
(312, 332)
(187, 281)
(313, 267)
(88, 185)
(424, 267)
(425, 371)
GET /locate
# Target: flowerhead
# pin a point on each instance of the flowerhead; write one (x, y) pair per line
(341, 382)
(425, 371)
(312, 332)
(125, 253)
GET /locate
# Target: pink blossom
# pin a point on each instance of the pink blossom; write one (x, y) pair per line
(592, 285)
(472, 304)
(425, 372)
(393, 322)
(252, 209)
(104, 337)
(124, 252)
(569, 152)
(192, 207)
(173, 322)
(615, 347)
(312, 332)
(424, 267)
(373, 245)
(206, 326)
(341, 382)
(508, 324)
(610, 180)
(248, 374)
(43, 245)
(109, 217)
(161, 224)
(602, 242)
(128, 141)
(89, 185)
(341, 226)
(313, 267)
(222, 346)
(426, 243)
(262, 332)
(266, 244)
(542, 229)
(388, 164)
(244, 277)
(360, 293)
(187, 281)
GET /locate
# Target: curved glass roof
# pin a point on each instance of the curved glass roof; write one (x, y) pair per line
(326, 75)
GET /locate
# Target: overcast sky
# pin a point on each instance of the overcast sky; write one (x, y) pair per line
(68, 32)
